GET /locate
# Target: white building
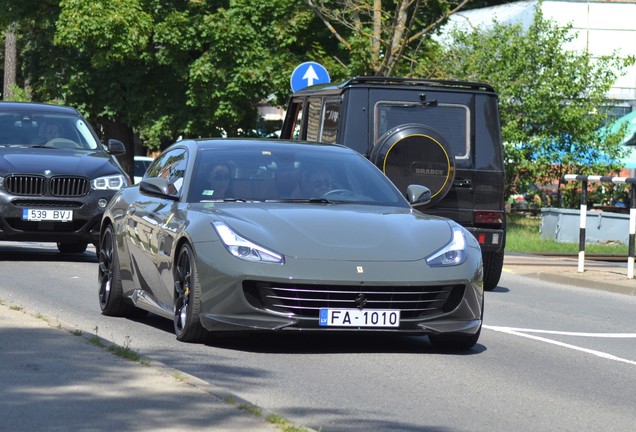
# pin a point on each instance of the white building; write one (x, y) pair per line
(601, 27)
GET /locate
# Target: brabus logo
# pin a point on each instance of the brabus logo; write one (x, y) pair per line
(428, 171)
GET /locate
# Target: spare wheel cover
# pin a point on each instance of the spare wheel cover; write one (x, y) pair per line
(414, 154)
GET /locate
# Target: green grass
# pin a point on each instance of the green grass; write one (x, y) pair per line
(524, 236)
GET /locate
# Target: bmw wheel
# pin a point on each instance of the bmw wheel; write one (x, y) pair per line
(71, 247)
(187, 305)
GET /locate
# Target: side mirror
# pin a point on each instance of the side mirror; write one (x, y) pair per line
(418, 194)
(158, 186)
(116, 147)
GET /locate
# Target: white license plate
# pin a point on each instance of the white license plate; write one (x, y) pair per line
(359, 318)
(47, 215)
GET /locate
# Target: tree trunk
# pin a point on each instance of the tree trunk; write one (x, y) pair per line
(10, 61)
(119, 130)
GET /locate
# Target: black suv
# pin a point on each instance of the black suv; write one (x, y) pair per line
(442, 134)
(56, 177)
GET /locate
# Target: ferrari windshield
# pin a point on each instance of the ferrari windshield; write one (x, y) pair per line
(289, 173)
(46, 130)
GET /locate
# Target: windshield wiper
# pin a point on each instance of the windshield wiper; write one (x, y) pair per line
(228, 200)
(304, 200)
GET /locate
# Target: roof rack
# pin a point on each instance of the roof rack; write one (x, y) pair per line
(417, 81)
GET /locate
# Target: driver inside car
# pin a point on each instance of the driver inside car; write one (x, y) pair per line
(314, 183)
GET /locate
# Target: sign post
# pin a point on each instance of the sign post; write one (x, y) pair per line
(308, 74)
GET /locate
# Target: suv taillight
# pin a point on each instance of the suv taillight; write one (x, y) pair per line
(489, 217)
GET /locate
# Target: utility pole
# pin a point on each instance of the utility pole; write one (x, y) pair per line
(10, 61)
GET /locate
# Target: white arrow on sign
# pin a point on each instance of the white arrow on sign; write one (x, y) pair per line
(310, 75)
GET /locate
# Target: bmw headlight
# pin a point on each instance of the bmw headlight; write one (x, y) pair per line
(453, 254)
(243, 248)
(112, 182)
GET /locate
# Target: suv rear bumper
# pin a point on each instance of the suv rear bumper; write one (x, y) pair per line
(490, 240)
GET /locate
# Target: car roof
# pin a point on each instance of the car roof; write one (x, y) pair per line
(211, 143)
(378, 81)
(34, 106)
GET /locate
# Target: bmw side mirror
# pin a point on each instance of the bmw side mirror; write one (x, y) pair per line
(418, 194)
(116, 147)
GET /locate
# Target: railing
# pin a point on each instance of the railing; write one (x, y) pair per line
(632, 214)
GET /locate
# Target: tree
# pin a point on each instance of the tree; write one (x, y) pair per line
(381, 39)
(10, 59)
(551, 99)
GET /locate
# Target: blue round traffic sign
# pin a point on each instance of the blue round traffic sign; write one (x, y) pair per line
(307, 74)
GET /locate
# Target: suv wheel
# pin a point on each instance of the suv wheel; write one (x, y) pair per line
(493, 265)
(416, 154)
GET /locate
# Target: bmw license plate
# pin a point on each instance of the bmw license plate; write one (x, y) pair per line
(359, 318)
(36, 215)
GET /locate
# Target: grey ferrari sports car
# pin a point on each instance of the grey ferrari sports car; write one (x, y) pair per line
(268, 235)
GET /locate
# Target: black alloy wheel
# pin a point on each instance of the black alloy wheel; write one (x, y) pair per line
(187, 304)
(111, 299)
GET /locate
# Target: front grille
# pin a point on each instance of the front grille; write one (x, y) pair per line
(26, 185)
(68, 186)
(306, 300)
(34, 185)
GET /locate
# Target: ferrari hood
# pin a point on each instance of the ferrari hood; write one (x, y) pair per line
(340, 232)
(58, 161)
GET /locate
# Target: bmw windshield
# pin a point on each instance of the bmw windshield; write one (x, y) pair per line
(45, 130)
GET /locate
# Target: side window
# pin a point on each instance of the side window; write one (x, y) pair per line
(297, 120)
(451, 120)
(330, 121)
(170, 166)
(313, 119)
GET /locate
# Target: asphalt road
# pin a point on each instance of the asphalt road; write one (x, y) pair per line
(551, 357)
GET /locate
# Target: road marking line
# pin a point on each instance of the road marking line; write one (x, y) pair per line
(517, 332)
(602, 335)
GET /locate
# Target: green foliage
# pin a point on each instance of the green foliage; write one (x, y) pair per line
(163, 68)
(551, 98)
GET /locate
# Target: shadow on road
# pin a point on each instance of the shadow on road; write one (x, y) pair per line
(44, 252)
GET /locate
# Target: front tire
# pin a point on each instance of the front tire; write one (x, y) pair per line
(457, 341)
(454, 341)
(111, 298)
(187, 304)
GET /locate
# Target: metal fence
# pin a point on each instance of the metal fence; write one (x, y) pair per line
(631, 181)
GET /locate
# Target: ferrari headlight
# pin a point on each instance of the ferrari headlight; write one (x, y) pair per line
(243, 248)
(454, 253)
(113, 182)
